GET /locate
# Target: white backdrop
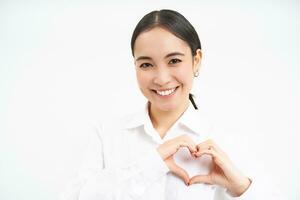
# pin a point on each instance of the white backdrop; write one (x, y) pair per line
(65, 65)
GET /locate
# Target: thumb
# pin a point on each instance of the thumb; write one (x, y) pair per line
(201, 179)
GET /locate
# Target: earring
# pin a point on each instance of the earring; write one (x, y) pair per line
(196, 74)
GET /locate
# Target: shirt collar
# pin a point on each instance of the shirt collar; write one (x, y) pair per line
(196, 121)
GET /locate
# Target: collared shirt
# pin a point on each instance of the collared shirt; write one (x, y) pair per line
(122, 163)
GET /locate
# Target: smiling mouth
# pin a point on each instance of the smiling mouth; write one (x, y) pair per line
(166, 92)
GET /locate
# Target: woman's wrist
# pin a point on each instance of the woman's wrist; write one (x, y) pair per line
(240, 188)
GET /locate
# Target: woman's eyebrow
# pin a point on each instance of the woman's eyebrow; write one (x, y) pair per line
(168, 55)
(174, 54)
(143, 58)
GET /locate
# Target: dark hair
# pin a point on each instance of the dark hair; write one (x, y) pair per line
(175, 23)
(171, 20)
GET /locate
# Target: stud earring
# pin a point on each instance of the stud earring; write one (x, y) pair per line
(196, 74)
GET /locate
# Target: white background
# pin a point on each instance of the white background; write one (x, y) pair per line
(64, 65)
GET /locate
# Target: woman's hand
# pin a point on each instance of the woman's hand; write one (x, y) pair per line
(223, 172)
(170, 147)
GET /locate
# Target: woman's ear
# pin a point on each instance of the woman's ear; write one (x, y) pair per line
(197, 60)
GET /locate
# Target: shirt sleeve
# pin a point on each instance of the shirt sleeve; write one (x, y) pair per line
(95, 181)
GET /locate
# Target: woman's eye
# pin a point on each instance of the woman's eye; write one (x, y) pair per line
(145, 65)
(174, 61)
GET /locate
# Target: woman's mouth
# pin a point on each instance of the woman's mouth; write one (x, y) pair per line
(166, 92)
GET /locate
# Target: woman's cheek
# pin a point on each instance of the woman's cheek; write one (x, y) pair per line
(184, 75)
(143, 81)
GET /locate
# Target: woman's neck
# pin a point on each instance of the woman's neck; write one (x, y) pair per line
(163, 120)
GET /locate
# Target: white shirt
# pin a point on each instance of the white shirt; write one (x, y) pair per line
(122, 163)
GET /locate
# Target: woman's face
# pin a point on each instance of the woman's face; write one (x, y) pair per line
(164, 68)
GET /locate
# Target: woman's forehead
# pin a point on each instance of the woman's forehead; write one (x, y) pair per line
(159, 41)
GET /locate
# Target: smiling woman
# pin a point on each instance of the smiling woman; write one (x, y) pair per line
(165, 69)
(166, 151)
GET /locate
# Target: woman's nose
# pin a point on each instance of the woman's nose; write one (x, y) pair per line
(162, 76)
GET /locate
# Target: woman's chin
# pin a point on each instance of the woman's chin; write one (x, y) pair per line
(166, 107)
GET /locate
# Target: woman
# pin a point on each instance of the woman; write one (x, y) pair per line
(164, 152)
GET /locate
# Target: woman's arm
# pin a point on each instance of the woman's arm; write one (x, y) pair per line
(234, 185)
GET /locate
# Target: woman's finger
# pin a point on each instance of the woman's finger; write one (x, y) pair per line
(201, 179)
(171, 146)
(192, 145)
(218, 159)
(192, 148)
(208, 144)
(210, 152)
(178, 171)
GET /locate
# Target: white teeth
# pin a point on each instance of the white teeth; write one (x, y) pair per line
(165, 92)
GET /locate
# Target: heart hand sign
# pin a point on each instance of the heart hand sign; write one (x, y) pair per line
(205, 162)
